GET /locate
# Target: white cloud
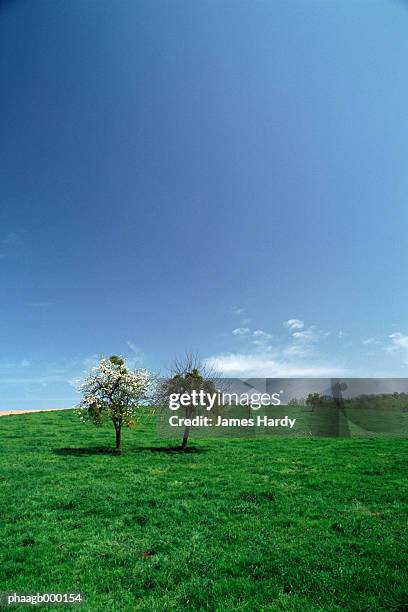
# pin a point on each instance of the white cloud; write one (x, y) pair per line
(296, 350)
(263, 356)
(307, 335)
(303, 342)
(25, 363)
(241, 331)
(398, 342)
(265, 365)
(258, 333)
(262, 339)
(294, 324)
(399, 346)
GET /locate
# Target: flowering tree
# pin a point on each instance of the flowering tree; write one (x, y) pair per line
(112, 391)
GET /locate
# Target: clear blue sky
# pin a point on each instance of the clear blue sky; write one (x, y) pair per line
(190, 175)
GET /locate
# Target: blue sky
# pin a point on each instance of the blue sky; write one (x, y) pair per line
(223, 177)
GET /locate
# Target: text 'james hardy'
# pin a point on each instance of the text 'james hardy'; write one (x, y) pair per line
(205, 421)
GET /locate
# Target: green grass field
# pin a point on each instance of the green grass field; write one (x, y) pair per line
(268, 524)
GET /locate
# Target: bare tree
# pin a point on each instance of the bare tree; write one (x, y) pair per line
(186, 375)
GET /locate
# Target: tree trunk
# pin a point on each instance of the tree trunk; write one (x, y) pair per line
(188, 414)
(118, 437)
(185, 438)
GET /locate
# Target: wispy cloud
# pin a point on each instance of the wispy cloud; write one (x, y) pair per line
(25, 372)
(370, 342)
(237, 310)
(15, 365)
(263, 355)
(33, 380)
(292, 324)
(241, 331)
(264, 365)
(137, 358)
(306, 336)
(262, 339)
(303, 343)
(399, 342)
(259, 333)
(89, 362)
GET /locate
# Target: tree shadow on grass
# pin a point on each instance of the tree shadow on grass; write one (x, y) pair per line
(106, 450)
(85, 451)
(174, 449)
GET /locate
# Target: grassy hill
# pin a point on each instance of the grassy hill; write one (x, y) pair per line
(274, 524)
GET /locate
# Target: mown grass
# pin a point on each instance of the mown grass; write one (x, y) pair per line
(268, 524)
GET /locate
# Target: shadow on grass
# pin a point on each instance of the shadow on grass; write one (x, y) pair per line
(85, 451)
(106, 450)
(173, 449)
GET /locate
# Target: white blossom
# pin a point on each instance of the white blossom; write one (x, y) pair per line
(114, 391)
